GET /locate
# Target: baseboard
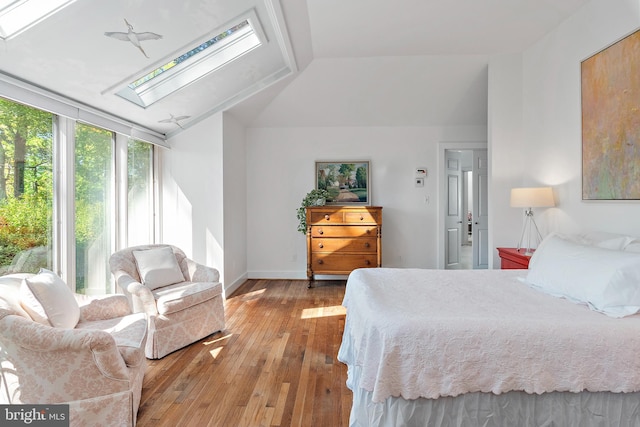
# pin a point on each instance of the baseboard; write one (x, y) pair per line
(283, 275)
(291, 275)
(231, 288)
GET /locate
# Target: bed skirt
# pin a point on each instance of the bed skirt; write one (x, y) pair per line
(510, 409)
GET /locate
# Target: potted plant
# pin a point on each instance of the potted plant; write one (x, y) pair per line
(313, 198)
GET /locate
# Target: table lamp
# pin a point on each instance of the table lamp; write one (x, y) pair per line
(529, 198)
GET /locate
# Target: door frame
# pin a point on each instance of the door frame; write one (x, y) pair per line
(442, 189)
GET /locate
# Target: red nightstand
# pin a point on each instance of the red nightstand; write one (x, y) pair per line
(512, 258)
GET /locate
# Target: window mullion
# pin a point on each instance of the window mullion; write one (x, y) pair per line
(64, 200)
(121, 185)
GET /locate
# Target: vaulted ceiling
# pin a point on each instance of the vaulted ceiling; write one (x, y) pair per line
(70, 55)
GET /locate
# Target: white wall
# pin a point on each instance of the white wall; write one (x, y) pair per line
(234, 203)
(506, 161)
(546, 148)
(281, 170)
(192, 198)
(204, 196)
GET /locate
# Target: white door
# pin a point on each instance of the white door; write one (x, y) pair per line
(453, 216)
(480, 221)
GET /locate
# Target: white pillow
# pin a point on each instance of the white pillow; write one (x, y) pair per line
(633, 247)
(158, 267)
(607, 280)
(49, 301)
(601, 239)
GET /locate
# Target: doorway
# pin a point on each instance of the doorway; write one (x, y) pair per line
(464, 209)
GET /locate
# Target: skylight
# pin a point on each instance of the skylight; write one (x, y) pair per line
(197, 61)
(17, 16)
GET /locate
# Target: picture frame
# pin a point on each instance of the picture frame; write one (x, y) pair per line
(347, 181)
(610, 94)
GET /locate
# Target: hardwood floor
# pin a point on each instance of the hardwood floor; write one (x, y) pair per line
(275, 364)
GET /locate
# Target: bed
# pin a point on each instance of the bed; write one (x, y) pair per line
(492, 348)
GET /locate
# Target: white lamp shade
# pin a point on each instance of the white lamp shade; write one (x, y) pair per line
(538, 197)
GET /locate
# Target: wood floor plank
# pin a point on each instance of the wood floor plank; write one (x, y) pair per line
(275, 364)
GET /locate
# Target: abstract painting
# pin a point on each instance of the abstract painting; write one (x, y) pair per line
(611, 122)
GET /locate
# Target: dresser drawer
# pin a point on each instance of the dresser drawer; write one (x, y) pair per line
(341, 263)
(363, 217)
(344, 231)
(335, 244)
(336, 217)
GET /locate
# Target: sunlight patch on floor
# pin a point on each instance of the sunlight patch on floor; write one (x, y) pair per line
(252, 295)
(218, 339)
(312, 313)
(216, 351)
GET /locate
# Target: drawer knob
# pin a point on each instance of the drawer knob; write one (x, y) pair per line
(361, 217)
(320, 231)
(327, 217)
(320, 261)
(367, 262)
(366, 245)
(321, 246)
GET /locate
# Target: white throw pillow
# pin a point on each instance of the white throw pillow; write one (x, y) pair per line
(49, 301)
(607, 280)
(633, 247)
(158, 267)
(601, 239)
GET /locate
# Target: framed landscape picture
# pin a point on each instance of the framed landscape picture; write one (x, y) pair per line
(346, 181)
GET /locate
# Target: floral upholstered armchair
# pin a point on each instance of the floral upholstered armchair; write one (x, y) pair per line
(182, 298)
(57, 347)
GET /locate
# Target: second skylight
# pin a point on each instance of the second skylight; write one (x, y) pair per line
(201, 59)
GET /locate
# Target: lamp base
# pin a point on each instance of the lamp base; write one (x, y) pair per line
(530, 230)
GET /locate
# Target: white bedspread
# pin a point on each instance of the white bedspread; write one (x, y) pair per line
(430, 333)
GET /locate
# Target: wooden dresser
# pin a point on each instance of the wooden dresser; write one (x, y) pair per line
(343, 238)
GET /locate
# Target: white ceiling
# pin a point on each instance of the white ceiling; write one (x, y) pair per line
(401, 62)
(69, 54)
(365, 28)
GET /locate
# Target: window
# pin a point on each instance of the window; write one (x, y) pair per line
(94, 226)
(26, 188)
(17, 16)
(198, 60)
(35, 147)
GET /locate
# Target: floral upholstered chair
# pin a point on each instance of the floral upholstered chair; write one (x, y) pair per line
(182, 299)
(57, 347)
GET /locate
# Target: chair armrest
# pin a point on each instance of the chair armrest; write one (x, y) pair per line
(40, 342)
(101, 307)
(201, 273)
(141, 298)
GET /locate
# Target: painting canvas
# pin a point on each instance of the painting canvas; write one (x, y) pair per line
(346, 181)
(611, 122)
